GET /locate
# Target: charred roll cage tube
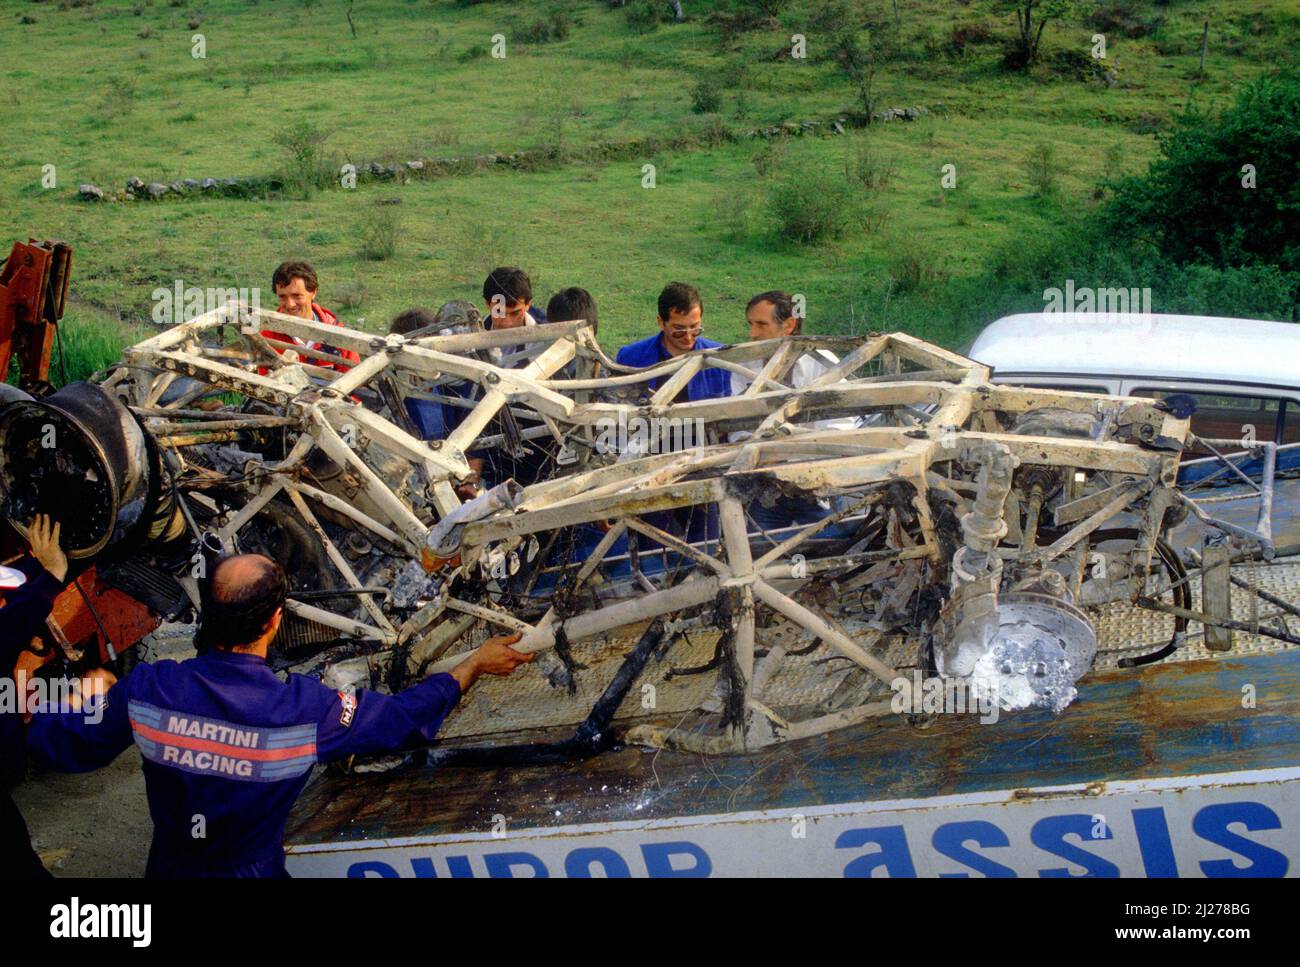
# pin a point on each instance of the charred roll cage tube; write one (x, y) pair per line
(960, 518)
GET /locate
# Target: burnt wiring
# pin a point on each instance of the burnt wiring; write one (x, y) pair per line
(1182, 598)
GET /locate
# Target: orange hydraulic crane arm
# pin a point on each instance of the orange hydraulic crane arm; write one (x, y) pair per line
(33, 290)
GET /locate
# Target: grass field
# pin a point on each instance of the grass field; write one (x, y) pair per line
(107, 90)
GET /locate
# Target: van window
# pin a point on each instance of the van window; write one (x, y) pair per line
(1223, 415)
(1068, 389)
(1064, 387)
(1290, 422)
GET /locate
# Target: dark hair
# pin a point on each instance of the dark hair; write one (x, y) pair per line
(286, 272)
(678, 297)
(782, 306)
(411, 320)
(234, 612)
(570, 304)
(510, 283)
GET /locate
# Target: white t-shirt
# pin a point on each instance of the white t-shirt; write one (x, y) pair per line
(805, 369)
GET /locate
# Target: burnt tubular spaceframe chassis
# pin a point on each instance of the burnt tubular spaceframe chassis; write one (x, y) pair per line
(970, 519)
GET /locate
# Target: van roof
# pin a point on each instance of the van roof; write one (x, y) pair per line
(1210, 348)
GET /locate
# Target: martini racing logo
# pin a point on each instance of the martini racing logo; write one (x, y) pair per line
(349, 703)
(210, 747)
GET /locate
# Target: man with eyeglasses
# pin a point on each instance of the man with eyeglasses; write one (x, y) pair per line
(681, 316)
(680, 319)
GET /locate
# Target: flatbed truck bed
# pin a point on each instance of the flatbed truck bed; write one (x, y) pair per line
(1186, 767)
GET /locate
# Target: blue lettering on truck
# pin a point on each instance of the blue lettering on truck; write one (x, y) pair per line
(950, 840)
(677, 859)
(1049, 833)
(892, 854)
(974, 845)
(1211, 823)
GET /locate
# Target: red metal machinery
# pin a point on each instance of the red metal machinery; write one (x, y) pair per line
(91, 622)
(33, 291)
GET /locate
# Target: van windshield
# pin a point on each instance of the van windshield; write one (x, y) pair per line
(1237, 417)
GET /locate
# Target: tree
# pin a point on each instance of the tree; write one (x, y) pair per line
(1225, 188)
(859, 65)
(1032, 16)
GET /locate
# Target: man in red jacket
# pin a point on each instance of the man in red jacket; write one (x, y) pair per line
(295, 286)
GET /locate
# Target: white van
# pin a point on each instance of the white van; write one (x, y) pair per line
(1241, 372)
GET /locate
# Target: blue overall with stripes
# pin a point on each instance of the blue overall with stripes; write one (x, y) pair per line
(227, 748)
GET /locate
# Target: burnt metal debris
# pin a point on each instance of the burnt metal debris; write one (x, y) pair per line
(896, 514)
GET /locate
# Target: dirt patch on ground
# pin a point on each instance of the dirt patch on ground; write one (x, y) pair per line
(93, 824)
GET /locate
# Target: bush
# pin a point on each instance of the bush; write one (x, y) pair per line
(705, 98)
(349, 297)
(810, 207)
(1192, 203)
(1122, 17)
(1094, 254)
(643, 15)
(554, 27)
(859, 66)
(1041, 169)
(770, 156)
(1081, 65)
(969, 35)
(731, 24)
(380, 231)
(865, 167)
(833, 16)
(306, 165)
(913, 270)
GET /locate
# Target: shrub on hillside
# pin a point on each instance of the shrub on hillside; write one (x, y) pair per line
(913, 269)
(705, 98)
(380, 231)
(866, 167)
(969, 35)
(1122, 17)
(1224, 187)
(306, 165)
(643, 15)
(554, 27)
(1041, 169)
(809, 207)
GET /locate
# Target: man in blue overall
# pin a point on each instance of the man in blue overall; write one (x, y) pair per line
(681, 315)
(227, 746)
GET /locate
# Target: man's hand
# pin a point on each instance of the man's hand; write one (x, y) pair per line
(93, 684)
(496, 657)
(493, 657)
(467, 490)
(44, 538)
